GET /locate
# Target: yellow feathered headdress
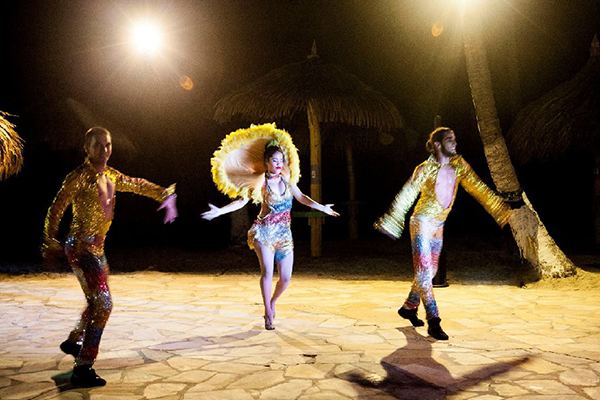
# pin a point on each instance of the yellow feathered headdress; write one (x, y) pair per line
(238, 166)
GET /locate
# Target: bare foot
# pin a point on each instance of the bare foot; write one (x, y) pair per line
(269, 323)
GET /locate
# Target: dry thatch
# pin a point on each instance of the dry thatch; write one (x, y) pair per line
(567, 117)
(336, 95)
(11, 148)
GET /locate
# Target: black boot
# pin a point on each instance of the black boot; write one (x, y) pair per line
(85, 376)
(410, 315)
(435, 330)
(69, 347)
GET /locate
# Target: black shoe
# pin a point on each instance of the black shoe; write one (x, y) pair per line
(85, 376)
(410, 315)
(435, 330)
(69, 347)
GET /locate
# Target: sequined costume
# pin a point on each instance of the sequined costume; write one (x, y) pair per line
(84, 245)
(427, 221)
(272, 225)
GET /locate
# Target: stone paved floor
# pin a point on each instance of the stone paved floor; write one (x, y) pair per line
(183, 336)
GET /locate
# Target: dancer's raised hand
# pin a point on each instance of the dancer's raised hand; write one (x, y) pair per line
(170, 207)
(212, 213)
(329, 211)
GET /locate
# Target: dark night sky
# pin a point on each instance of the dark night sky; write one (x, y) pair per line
(65, 63)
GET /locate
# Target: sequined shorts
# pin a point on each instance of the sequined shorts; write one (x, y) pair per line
(274, 232)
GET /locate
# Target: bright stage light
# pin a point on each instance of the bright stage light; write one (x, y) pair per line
(470, 6)
(146, 37)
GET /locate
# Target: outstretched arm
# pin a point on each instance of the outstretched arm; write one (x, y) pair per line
(392, 222)
(493, 204)
(215, 211)
(140, 186)
(307, 201)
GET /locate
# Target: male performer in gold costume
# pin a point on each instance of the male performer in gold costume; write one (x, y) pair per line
(436, 180)
(90, 191)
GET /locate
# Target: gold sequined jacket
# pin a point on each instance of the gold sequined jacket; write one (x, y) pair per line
(80, 190)
(423, 182)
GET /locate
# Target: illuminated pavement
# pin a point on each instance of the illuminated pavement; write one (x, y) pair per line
(182, 336)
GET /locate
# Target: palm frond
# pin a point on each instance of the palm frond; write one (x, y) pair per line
(11, 148)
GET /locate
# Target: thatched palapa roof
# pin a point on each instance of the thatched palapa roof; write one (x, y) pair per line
(336, 95)
(567, 117)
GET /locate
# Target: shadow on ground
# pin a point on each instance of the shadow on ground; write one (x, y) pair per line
(412, 372)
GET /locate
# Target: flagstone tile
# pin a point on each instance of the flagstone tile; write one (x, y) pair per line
(233, 368)
(135, 376)
(324, 395)
(157, 390)
(545, 387)
(508, 390)
(579, 377)
(230, 394)
(193, 376)
(541, 366)
(40, 365)
(305, 371)
(259, 380)
(186, 363)
(41, 376)
(289, 390)
(25, 391)
(593, 393)
(217, 381)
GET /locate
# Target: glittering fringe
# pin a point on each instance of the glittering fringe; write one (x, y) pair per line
(238, 166)
(11, 148)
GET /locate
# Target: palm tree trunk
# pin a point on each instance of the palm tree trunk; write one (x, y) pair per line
(534, 241)
(315, 179)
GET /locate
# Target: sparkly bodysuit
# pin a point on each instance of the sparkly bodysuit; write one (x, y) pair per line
(84, 245)
(427, 221)
(272, 225)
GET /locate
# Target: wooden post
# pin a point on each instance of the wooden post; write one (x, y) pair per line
(315, 178)
(352, 203)
(596, 205)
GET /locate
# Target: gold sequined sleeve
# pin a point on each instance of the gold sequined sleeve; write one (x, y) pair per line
(63, 199)
(492, 203)
(392, 222)
(142, 187)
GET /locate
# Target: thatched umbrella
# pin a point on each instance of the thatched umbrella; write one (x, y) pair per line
(326, 93)
(11, 148)
(567, 117)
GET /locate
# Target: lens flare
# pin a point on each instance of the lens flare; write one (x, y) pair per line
(437, 29)
(186, 82)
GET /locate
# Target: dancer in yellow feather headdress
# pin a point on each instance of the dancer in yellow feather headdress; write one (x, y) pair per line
(261, 164)
(11, 148)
